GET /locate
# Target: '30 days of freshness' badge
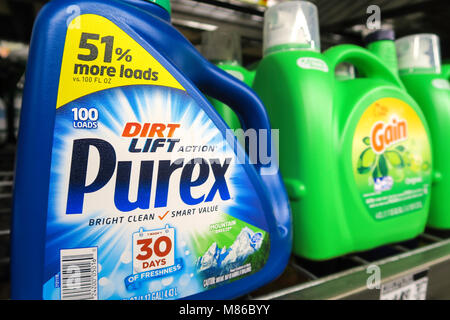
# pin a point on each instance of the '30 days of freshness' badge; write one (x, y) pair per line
(153, 249)
(153, 255)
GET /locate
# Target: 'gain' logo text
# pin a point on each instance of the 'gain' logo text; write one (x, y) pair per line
(383, 135)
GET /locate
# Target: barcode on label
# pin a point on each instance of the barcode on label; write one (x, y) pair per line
(79, 274)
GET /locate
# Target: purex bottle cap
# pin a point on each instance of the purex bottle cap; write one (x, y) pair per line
(222, 45)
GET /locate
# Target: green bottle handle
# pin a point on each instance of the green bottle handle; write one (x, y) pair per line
(251, 76)
(363, 60)
(446, 72)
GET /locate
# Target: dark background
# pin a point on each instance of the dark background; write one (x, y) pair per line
(339, 19)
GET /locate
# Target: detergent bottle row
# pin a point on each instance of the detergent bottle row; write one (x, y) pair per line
(126, 185)
(135, 190)
(355, 152)
(420, 71)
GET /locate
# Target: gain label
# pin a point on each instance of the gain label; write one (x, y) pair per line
(391, 159)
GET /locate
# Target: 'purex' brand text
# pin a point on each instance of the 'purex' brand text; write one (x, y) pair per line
(154, 175)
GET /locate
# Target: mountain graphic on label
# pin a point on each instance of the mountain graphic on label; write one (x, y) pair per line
(218, 260)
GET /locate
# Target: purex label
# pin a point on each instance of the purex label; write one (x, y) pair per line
(146, 199)
(391, 159)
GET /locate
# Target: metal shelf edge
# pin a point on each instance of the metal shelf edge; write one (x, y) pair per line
(353, 282)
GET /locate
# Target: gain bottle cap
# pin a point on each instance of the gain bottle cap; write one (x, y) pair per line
(419, 53)
(379, 35)
(291, 25)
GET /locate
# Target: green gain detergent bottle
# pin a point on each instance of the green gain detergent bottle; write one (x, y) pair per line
(419, 66)
(223, 48)
(352, 152)
(446, 70)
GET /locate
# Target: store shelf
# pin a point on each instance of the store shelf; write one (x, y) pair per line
(347, 277)
(340, 21)
(6, 182)
(203, 15)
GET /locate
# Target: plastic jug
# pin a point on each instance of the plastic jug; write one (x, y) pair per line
(419, 66)
(125, 185)
(223, 48)
(446, 70)
(344, 145)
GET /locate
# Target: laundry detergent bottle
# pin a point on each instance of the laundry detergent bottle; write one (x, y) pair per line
(446, 70)
(419, 65)
(126, 184)
(223, 48)
(345, 145)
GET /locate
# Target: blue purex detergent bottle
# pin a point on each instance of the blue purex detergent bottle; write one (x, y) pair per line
(128, 185)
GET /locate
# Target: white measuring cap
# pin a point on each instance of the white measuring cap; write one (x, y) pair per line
(419, 53)
(345, 71)
(222, 45)
(291, 25)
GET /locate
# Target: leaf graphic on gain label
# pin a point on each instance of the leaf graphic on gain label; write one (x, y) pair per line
(366, 141)
(378, 166)
(366, 161)
(394, 158)
(376, 173)
(381, 169)
(382, 165)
